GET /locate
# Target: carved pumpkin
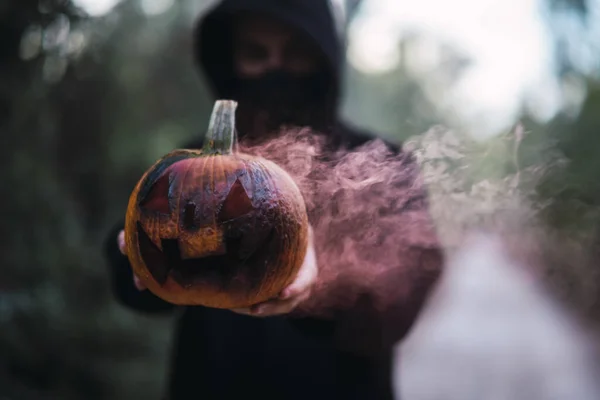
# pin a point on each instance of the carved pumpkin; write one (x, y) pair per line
(216, 227)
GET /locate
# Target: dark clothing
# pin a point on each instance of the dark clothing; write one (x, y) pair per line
(222, 355)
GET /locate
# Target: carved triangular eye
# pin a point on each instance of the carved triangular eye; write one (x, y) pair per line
(236, 204)
(157, 199)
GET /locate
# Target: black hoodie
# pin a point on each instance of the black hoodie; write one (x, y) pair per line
(213, 55)
(222, 355)
(213, 36)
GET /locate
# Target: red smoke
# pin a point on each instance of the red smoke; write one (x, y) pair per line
(375, 242)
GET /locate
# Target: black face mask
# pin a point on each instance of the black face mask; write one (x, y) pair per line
(278, 98)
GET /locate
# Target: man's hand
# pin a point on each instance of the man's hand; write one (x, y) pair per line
(121, 240)
(289, 298)
(293, 295)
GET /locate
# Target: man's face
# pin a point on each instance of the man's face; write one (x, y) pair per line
(262, 44)
(281, 78)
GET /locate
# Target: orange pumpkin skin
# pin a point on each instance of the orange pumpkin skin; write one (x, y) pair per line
(217, 229)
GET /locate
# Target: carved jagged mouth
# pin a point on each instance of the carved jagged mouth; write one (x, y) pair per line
(243, 261)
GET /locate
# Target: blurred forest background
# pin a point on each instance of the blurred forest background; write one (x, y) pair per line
(88, 102)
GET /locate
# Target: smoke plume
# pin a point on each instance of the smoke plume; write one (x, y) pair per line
(374, 239)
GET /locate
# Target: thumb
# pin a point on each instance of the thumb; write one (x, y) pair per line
(138, 283)
(121, 243)
(306, 276)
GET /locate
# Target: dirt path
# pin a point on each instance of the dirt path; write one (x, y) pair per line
(490, 333)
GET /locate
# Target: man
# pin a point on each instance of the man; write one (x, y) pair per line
(281, 60)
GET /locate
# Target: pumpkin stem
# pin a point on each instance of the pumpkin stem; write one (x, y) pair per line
(221, 136)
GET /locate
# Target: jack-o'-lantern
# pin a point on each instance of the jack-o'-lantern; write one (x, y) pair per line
(216, 227)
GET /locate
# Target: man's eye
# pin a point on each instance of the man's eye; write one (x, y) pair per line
(298, 49)
(253, 52)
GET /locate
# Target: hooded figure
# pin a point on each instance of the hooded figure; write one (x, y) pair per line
(222, 355)
(309, 99)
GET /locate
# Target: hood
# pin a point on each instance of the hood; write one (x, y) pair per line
(212, 37)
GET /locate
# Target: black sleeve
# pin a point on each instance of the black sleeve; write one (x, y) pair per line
(122, 280)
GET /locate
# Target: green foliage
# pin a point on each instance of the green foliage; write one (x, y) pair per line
(77, 146)
(539, 181)
(392, 104)
(573, 191)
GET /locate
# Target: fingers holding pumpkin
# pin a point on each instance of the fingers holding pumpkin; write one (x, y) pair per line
(123, 249)
(274, 307)
(121, 242)
(306, 277)
(138, 283)
(294, 294)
